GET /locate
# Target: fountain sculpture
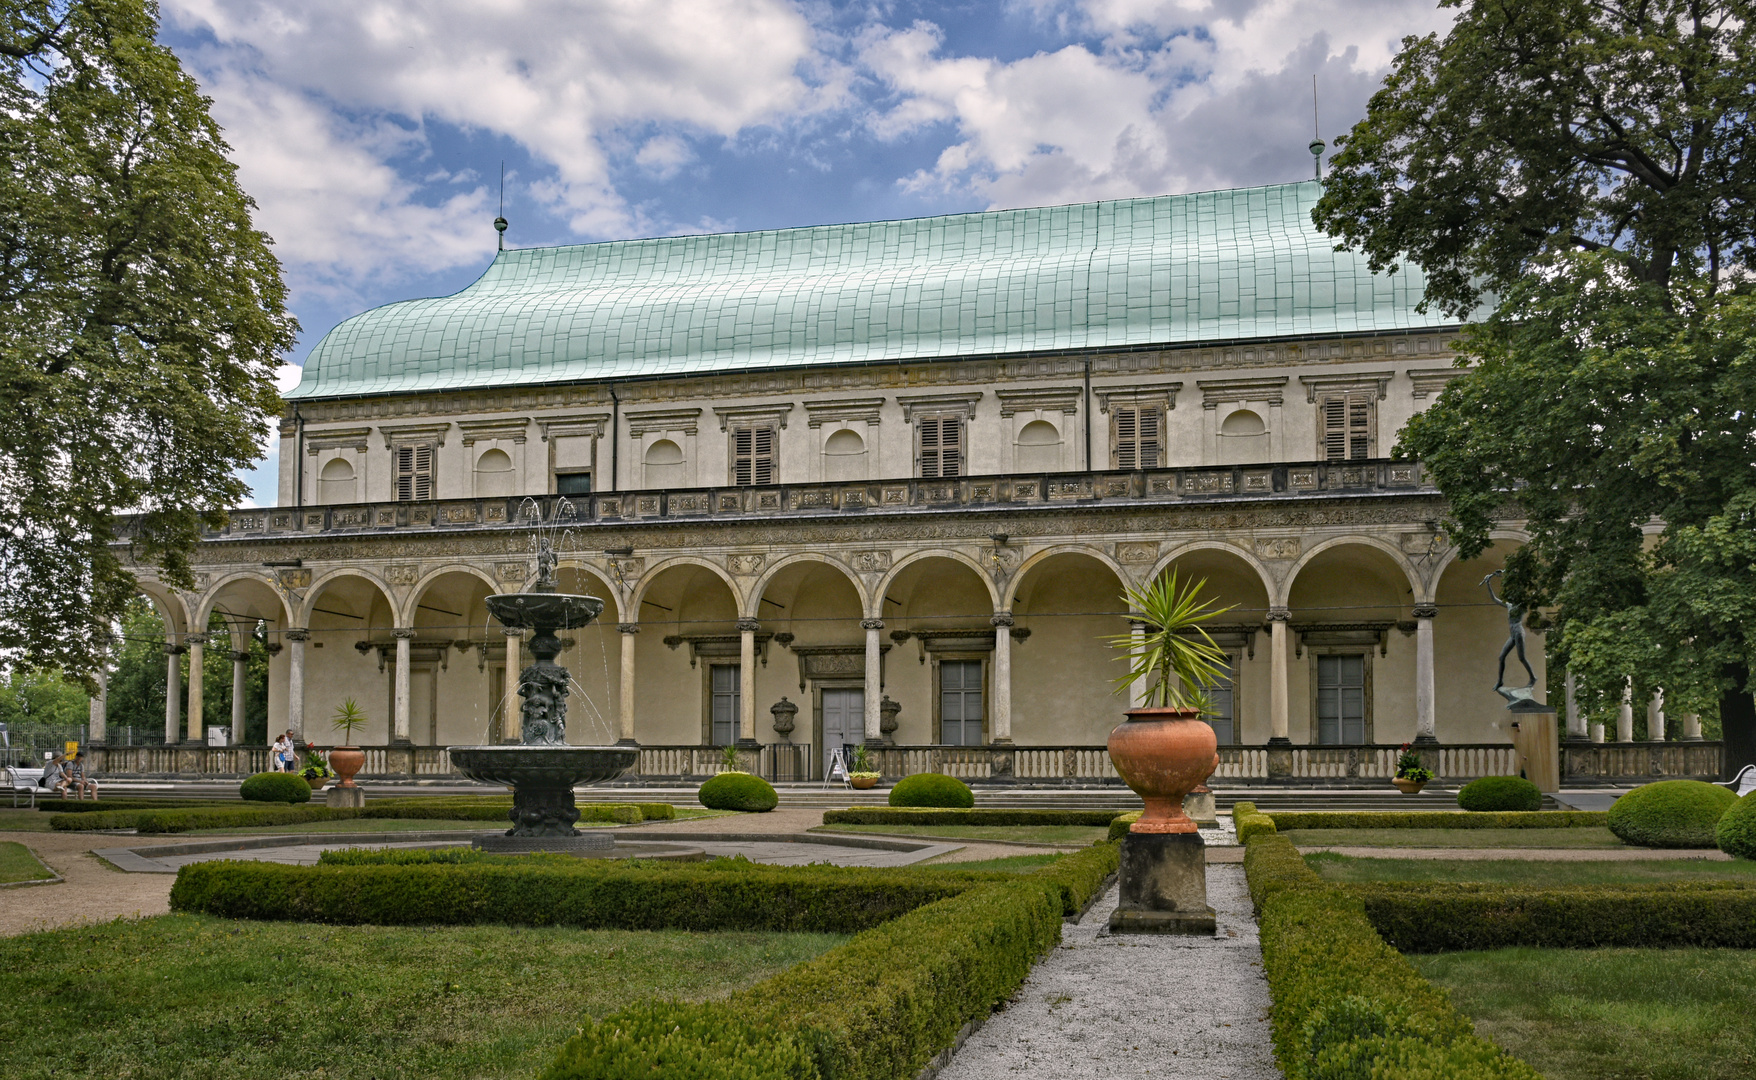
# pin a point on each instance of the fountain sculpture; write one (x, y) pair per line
(542, 768)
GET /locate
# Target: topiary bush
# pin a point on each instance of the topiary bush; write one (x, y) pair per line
(1670, 814)
(1500, 793)
(738, 791)
(276, 787)
(1736, 832)
(932, 789)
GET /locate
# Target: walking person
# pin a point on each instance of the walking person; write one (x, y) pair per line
(282, 755)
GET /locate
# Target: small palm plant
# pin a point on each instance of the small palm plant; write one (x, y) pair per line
(1175, 657)
(348, 717)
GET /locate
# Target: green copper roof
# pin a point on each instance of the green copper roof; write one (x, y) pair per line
(1177, 269)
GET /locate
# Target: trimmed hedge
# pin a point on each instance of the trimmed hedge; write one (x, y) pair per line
(1671, 814)
(1736, 832)
(1119, 826)
(1437, 819)
(245, 815)
(1250, 822)
(1446, 917)
(738, 791)
(904, 815)
(932, 790)
(1500, 793)
(693, 1041)
(1078, 877)
(1273, 865)
(451, 856)
(275, 787)
(96, 806)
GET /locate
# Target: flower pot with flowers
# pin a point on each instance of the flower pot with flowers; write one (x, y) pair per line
(1412, 773)
(347, 759)
(862, 775)
(315, 770)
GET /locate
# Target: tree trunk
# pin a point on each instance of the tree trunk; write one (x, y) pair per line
(1737, 720)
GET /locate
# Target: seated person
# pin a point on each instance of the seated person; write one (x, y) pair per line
(79, 779)
(54, 776)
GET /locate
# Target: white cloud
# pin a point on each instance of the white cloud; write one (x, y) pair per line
(664, 155)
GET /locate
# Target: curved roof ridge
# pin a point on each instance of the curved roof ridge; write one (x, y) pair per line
(1171, 270)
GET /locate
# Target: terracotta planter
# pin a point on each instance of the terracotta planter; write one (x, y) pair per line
(346, 761)
(1407, 786)
(863, 782)
(1164, 754)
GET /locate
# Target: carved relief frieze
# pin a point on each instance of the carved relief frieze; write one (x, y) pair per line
(1280, 547)
(746, 565)
(510, 573)
(870, 562)
(1137, 552)
(293, 577)
(402, 575)
(1214, 483)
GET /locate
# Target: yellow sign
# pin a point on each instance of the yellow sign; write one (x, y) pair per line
(72, 749)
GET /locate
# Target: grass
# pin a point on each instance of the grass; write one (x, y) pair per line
(354, 825)
(1081, 835)
(18, 864)
(181, 996)
(1610, 1014)
(1346, 868)
(1019, 864)
(1455, 838)
(22, 820)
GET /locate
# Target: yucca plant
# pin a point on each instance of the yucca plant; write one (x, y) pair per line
(348, 717)
(1175, 656)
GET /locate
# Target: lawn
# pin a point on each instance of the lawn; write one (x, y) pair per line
(1081, 835)
(18, 864)
(1344, 868)
(1457, 838)
(22, 820)
(1610, 1014)
(1012, 864)
(181, 996)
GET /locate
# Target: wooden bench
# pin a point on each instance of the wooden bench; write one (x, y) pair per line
(22, 781)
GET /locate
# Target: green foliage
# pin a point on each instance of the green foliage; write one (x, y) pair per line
(1500, 793)
(1120, 824)
(1736, 832)
(1670, 814)
(141, 320)
(681, 1041)
(933, 790)
(152, 818)
(451, 856)
(738, 791)
(918, 815)
(1250, 822)
(275, 787)
(347, 719)
(1079, 877)
(1174, 658)
(1272, 865)
(1448, 916)
(99, 806)
(1409, 766)
(862, 762)
(40, 701)
(1288, 820)
(135, 693)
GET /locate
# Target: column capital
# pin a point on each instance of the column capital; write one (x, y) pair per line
(198, 640)
(1280, 614)
(1426, 611)
(403, 633)
(871, 624)
(296, 633)
(512, 631)
(175, 650)
(748, 625)
(628, 627)
(240, 657)
(1001, 618)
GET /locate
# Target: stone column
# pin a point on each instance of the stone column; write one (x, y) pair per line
(97, 730)
(240, 694)
(403, 636)
(874, 657)
(173, 690)
(197, 656)
(1625, 714)
(511, 711)
(1426, 729)
(1655, 717)
(747, 628)
(295, 638)
(1597, 733)
(625, 715)
(1002, 726)
(1138, 688)
(1575, 722)
(1691, 727)
(1278, 617)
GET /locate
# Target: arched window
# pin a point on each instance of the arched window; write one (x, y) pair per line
(1038, 448)
(494, 476)
(664, 465)
(844, 456)
(1243, 439)
(335, 484)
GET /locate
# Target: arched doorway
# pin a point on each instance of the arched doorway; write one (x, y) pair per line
(1234, 586)
(1351, 679)
(691, 682)
(1065, 605)
(939, 612)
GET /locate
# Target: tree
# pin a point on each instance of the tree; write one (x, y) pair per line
(1573, 175)
(142, 316)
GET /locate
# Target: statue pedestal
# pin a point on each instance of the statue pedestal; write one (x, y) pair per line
(345, 798)
(1534, 741)
(1164, 885)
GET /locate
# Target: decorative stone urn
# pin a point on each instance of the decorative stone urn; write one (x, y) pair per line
(785, 714)
(1164, 754)
(888, 711)
(346, 761)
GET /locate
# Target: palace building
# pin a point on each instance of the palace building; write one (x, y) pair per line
(880, 482)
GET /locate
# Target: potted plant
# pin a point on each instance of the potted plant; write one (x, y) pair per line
(347, 758)
(729, 760)
(1411, 773)
(315, 769)
(861, 775)
(1164, 750)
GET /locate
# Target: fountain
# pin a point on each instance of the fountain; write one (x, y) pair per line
(541, 768)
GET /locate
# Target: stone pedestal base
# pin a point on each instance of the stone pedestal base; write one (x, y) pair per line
(1164, 886)
(1199, 806)
(348, 798)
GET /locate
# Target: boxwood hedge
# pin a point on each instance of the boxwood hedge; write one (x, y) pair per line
(275, 787)
(1670, 814)
(1500, 793)
(1736, 832)
(913, 815)
(738, 791)
(932, 789)
(1437, 819)
(248, 815)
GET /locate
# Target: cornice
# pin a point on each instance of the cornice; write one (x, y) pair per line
(1155, 393)
(1039, 398)
(1357, 380)
(1217, 392)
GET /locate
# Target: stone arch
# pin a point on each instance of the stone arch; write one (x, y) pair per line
(637, 595)
(1452, 552)
(1412, 577)
(612, 595)
(768, 576)
(1066, 604)
(876, 599)
(259, 583)
(1270, 585)
(173, 609)
(330, 577)
(1035, 558)
(406, 616)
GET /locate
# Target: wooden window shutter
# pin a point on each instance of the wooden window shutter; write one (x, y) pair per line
(414, 473)
(1151, 438)
(1128, 439)
(752, 456)
(1347, 426)
(1139, 438)
(941, 446)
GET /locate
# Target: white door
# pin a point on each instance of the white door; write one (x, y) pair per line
(844, 721)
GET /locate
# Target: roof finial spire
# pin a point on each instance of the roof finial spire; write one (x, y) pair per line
(500, 221)
(1316, 146)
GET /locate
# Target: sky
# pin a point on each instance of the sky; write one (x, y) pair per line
(372, 133)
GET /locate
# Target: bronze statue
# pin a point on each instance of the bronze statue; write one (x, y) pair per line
(1514, 640)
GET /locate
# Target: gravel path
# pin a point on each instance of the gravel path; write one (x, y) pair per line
(1114, 1007)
